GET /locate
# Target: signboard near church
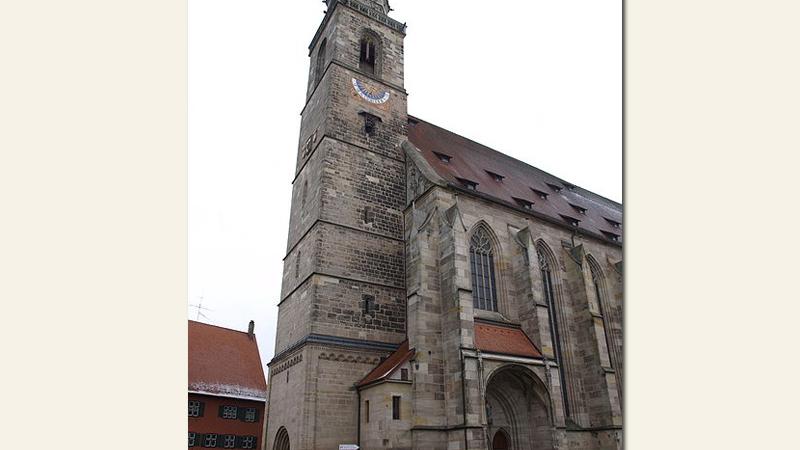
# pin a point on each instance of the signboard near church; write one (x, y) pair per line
(348, 447)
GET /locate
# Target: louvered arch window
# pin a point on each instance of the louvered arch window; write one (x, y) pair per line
(484, 281)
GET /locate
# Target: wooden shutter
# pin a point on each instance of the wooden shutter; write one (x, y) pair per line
(240, 413)
(221, 410)
(202, 409)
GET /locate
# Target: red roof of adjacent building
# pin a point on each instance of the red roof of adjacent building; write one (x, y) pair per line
(389, 365)
(517, 183)
(225, 362)
(505, 340)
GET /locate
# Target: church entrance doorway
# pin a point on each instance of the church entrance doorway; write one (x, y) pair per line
(518, 410)
(500, 441)
(281, 440)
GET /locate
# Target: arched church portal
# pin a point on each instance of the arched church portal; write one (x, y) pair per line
(281, 440)
(518, 410)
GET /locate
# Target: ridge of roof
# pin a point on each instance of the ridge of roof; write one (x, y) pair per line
(218, 326)
(504, 155)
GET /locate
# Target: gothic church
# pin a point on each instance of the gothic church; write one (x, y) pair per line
(437, 294)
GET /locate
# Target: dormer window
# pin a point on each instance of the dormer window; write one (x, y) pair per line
(542, 195)
(580, 209)
(367, 58)
(469, 184)
(554, 187)
(613, 223)
(495, 176)
(613, 236)
(442, 157)
(371, 122)
(526, 204)
(570, 220)
(571, 187)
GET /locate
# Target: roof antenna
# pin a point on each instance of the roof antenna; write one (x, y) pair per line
(200, 309)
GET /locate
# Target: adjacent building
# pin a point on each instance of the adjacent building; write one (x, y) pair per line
(227, 389)
(437, 294)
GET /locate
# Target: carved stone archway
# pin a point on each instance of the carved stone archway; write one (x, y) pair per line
(518, 410)
(281, 440)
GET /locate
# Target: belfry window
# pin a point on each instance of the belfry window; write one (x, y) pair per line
(320, 61)
(481, 260)
(366, 61)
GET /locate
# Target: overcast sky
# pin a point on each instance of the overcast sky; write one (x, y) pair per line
(540, 80)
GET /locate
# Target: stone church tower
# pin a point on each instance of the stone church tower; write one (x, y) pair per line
(437, 294)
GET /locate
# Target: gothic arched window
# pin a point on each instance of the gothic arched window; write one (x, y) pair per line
(368, 54)
(481, 260)
(545, 265)
(321, 60)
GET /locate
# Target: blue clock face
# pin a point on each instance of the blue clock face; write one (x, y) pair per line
(372, 97)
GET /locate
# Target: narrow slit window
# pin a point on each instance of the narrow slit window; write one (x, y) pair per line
(366, 411)
(396, 407)
(320, 69)
(369, 304)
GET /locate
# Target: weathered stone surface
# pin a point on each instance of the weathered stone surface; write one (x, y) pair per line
(378, 252)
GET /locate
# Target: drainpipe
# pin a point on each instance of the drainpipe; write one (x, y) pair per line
(464, 397)
(358, 427)
(483, 399)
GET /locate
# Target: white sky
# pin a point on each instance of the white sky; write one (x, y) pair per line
(540, 80)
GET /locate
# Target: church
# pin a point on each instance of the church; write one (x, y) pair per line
(437, 294)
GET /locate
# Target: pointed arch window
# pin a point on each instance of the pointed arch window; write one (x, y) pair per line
(555, 334)
(368, 55)
(484, 282)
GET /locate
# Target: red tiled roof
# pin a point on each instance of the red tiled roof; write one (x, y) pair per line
(389, 365)
(475, 162)
(224, 362)
(505, 340)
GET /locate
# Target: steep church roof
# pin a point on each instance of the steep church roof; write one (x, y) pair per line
(389, 365)
(225, 363)
(504, 340)
(469, 165)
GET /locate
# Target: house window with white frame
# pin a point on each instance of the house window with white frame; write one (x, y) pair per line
(250, 415)
(248, 442)
(192, 437)
(230, 441)
(194, 408)
(210, 440)
(229, 412)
